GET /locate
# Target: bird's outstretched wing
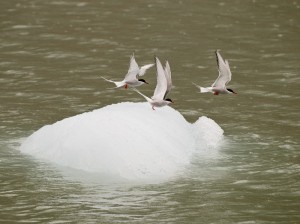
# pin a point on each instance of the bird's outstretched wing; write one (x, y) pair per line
(224, 71)
(169, 78)
(144, 68)
(161, 86)
(133, 69)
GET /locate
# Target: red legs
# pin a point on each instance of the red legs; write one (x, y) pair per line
(216, 93)
(126, 86)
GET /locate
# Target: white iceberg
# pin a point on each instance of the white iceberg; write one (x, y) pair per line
(127, 140)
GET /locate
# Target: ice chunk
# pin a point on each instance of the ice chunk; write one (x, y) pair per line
(128, 140)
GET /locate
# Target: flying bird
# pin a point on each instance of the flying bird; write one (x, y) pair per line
(219, 86)
(132, 77)
(163, 86)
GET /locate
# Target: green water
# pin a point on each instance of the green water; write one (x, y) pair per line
(52, 55)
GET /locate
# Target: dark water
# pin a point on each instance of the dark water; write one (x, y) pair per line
(52, 55)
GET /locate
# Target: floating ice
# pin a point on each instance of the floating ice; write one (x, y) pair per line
(127, 140)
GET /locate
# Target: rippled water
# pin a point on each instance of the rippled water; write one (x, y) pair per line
(52, 55)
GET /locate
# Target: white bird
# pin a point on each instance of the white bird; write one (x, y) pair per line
(219, 86)
(131, 79)
(163, 86)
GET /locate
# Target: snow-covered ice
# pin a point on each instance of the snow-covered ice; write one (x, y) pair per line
(127, 140)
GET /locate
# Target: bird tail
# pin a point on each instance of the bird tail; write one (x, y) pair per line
(118, 84)
(147, 98)
(203, 89)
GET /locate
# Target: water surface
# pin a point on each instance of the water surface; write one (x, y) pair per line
(52, 55)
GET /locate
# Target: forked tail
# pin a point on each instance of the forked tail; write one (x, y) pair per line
(147, 98)
(203, 89)
(118, 84)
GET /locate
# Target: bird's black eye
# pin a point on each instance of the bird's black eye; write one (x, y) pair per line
(230, 90)
(169, 100)
(142, 80)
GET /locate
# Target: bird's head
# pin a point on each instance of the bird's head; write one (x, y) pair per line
(231, 91)
(169, 100)
(143, 80)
